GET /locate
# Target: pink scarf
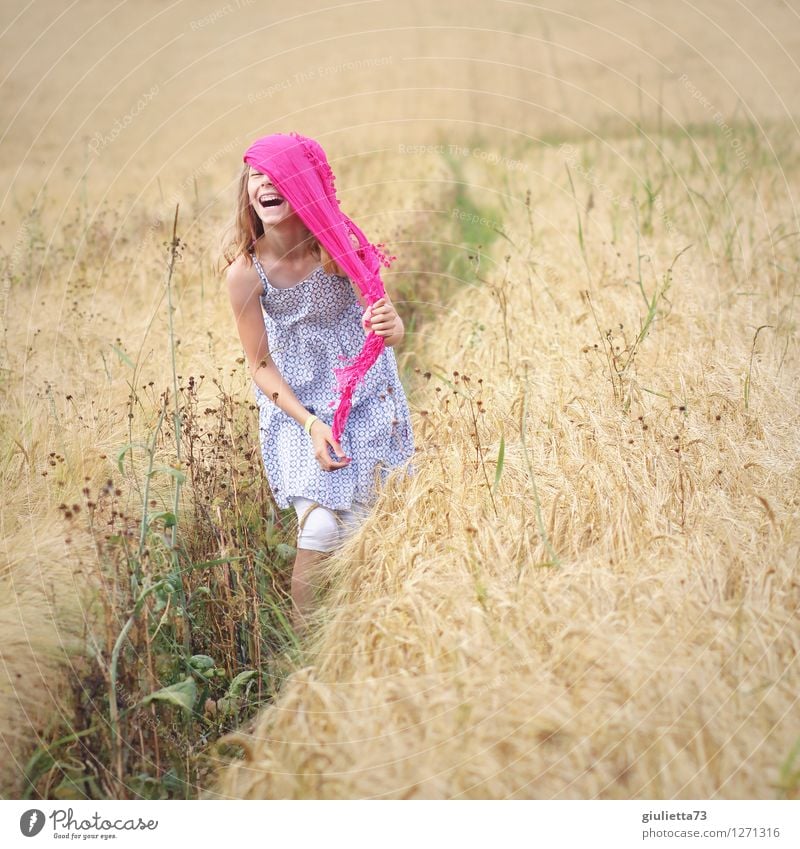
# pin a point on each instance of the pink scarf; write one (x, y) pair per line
(299, 170)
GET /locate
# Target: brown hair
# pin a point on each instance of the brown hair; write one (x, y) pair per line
(239, 236)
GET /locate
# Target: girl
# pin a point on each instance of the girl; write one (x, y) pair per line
(299, 315)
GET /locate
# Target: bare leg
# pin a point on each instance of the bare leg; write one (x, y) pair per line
(303, 585)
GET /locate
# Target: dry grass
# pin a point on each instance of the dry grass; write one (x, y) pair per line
(86, 419)
(653, 653)
(616, 617)
(609, 611)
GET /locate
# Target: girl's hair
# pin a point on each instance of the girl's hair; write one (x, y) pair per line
(245, 227)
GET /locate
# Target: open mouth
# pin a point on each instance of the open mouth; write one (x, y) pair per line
(268, 201)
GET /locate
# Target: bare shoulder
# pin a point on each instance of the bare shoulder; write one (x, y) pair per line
(242, 279)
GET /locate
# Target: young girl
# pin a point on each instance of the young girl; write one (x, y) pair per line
(299, 316)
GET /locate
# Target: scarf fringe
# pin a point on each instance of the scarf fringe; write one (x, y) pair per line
(348, 377)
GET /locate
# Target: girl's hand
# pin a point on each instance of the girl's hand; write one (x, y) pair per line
(381, 317)
(322, 437)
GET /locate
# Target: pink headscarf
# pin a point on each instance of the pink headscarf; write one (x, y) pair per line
(299, 170)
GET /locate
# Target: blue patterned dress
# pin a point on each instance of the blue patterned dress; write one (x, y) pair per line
(310, 327)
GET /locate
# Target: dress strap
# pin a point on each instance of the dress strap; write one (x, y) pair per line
(261, 273)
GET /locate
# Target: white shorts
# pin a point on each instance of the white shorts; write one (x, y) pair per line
(322, 529)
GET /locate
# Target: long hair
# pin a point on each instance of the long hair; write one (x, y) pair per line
(242, 230)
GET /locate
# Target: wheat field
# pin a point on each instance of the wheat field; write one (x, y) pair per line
(588, 589)
(617, 616)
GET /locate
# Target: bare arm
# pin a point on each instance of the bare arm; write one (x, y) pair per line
(244, 288)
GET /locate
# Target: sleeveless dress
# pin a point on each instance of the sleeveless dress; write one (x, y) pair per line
(311, 327)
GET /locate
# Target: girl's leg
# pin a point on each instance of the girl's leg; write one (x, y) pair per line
(320, 531)
(305, 565)
(318, 535)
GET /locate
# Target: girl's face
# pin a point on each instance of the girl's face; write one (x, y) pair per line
(267, 201)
